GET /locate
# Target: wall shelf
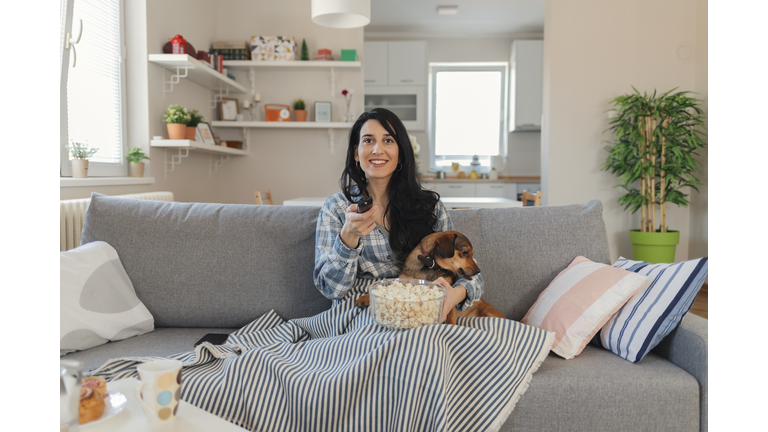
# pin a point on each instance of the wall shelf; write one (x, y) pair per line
(282, 125)
(183, 148)
(330, 126)
(238, 64)
(184, 66)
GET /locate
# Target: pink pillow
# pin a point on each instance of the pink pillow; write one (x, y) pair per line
(579, 301)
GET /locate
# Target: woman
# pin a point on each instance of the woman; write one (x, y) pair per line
(352, 249)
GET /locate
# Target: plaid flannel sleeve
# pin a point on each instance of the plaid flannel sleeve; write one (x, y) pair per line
(475, 287)
(335, 263)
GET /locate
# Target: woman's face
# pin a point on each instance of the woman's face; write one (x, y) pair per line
(377, 151)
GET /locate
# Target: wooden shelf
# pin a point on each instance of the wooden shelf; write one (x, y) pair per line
(196, 71)
(196, 146)
(282, 125)
(235, 64)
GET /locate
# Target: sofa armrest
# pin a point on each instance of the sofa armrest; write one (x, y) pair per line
(687, 347)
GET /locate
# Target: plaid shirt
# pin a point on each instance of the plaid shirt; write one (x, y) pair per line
(337, 266)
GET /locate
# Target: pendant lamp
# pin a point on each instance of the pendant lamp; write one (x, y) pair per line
(342, 14)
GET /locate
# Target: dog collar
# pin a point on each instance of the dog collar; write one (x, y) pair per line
(426, 259)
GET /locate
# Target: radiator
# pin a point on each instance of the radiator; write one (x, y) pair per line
(73, 215)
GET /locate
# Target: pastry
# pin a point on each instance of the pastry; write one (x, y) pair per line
(98, 384)
(91, 405)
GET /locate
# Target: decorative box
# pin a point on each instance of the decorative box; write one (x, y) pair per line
(273, 48)
(348, 55)
(232, 49)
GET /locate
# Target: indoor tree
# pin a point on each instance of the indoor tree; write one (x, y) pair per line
(656, 139)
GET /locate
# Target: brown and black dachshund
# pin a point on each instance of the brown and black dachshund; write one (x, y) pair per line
(446, 254)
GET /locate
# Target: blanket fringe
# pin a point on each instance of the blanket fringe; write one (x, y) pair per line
(502, 418)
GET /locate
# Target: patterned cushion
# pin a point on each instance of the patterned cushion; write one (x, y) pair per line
(655, 311)
(579, 301)
(98, 303)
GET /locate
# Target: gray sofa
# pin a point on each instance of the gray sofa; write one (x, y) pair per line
(212, 268)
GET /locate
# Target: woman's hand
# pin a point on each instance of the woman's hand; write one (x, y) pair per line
(453, 296)
(357, 225)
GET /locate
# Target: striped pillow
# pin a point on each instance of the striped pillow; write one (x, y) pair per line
(579, 301)
(655, 311)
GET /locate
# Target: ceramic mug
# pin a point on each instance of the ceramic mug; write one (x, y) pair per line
(159, 391)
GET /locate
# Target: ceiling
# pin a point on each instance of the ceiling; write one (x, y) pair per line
(477, 18)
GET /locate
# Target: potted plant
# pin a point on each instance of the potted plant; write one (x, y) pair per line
(136, 156)
(299, 113)
(196, 118)
(177, 118)
(656, 139)
(80, 153)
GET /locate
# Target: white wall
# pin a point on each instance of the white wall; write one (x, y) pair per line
(699, 225)
(594, 50)
(291, 163)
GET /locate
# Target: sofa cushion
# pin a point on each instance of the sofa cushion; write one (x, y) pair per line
(652, 313)
(579, 301)
(598, 391)
(520, 250)
(211, 265)
(98, 303)
(162, 342)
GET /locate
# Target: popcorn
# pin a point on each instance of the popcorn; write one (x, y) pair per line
(402, 306)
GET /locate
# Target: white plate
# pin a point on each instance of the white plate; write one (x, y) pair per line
(115, 402)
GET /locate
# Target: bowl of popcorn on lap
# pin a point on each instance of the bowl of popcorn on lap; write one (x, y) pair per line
(404, 303)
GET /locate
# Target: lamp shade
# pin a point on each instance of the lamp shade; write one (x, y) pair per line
(341, 14)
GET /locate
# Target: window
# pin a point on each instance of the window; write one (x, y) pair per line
(92, 84)
(467, 113)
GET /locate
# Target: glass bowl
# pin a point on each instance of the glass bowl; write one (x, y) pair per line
(395, 303)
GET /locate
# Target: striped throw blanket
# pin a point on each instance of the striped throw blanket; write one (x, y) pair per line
(340, 371)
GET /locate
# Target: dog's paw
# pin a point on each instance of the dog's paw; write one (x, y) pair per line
(363, 301)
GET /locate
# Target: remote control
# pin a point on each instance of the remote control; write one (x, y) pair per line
(364, 205)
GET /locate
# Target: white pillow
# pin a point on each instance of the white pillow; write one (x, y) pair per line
(98, 302)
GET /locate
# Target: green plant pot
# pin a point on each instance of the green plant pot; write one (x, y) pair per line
(654, 247)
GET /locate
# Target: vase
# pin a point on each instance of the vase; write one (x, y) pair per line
(654, 247)
(137, 169)
(348, 117)
(177, 130)
(79, 168)
(300, 115)
(190, 133)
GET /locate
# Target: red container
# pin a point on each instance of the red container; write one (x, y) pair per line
(179, 45)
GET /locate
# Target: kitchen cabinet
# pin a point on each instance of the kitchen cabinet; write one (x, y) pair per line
(526, 85)
(395, 63)
(461, 189)
(407, 63)
(395, 77)
(375, 64)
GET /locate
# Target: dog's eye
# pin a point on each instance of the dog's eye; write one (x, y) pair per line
(465, 253)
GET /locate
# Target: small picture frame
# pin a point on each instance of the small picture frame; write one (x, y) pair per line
(229, 109)
(323, 112)
(206, 133)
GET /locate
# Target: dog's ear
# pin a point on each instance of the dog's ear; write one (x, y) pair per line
(444, 246)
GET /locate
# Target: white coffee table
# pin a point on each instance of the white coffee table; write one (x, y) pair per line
(132, 418)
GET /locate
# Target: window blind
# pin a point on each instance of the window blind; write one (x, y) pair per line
(94, 94)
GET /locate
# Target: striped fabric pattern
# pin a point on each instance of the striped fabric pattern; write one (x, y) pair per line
(654, 312)
(579, 301)
(338, 370)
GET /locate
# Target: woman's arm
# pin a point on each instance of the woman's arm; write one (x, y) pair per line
(474, 288)
(338, 247)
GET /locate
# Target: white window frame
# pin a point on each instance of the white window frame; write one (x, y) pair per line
(435, 68)
(95, 169)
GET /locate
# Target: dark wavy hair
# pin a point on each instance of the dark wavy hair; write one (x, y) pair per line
(410, 208)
